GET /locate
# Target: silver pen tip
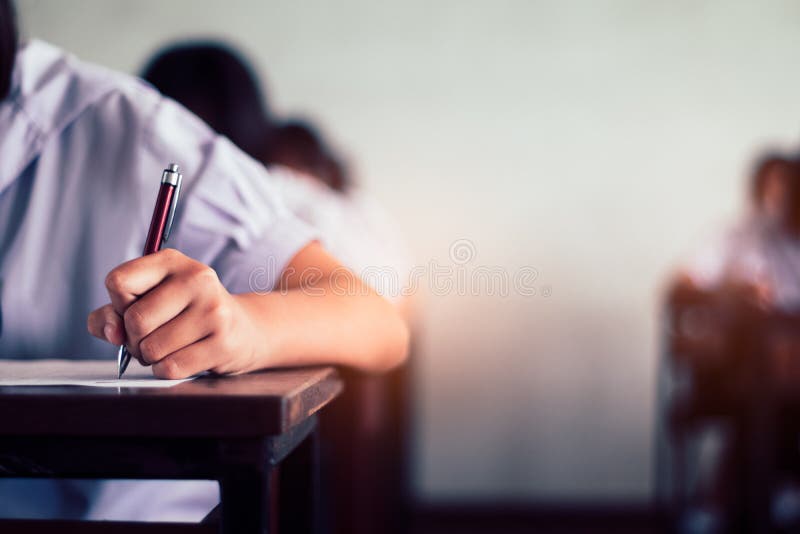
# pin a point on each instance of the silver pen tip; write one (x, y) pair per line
(123, 359)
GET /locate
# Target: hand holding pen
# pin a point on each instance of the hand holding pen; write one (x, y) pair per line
(157, 235)
(171, 311)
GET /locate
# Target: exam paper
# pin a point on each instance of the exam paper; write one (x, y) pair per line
(94, 373)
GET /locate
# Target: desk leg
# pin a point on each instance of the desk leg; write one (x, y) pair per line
(299, 499)
(271, 483)
(246, 502)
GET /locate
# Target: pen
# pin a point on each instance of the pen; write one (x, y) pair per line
(157, 235)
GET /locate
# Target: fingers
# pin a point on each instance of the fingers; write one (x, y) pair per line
(190, 327)
(127, 282)
(106, 324)
(173, 312)
(188, 361)
(156, 309)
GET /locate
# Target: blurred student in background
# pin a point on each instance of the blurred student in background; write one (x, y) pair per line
(729, 307)
(217, 83)
(760, 251)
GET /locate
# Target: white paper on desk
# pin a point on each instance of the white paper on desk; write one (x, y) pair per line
(95, 373)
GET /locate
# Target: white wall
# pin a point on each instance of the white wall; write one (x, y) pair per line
(590, 140)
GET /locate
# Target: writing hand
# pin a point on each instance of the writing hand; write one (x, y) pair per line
(173, 313)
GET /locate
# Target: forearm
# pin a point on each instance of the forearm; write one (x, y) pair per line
(173, 313)
(321, 323)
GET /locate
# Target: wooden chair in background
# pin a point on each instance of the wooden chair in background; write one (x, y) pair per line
(717, 370)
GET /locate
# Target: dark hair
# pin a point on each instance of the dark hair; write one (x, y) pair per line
(8, 45)
(761, 171)
(217, 84)
(298, 145)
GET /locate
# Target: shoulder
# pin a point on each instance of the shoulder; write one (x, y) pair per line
(60, 103)
(51, 89)
(55, 97)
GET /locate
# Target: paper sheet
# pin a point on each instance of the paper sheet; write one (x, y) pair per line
(94, 373)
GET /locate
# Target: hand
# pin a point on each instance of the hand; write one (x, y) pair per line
(173, 313)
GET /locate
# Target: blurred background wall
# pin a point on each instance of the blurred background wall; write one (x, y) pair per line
(592, 141)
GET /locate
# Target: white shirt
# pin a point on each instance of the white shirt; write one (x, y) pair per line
(353, 227)
(754, 251)
(81, 154)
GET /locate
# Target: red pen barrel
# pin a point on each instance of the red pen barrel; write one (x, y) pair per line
(158, 223)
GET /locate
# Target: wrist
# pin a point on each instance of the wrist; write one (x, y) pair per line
(258, 330)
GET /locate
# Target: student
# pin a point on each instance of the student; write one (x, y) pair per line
(755, 250)
(720, 302)
(81, 152)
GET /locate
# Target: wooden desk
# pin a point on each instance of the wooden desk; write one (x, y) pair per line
(236, 430)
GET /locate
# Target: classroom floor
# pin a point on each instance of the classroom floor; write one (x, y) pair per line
(552, 520)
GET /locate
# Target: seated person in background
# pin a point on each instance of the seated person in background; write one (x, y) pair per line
(82, 152)
(753, 253)
(723, 299)
(214, 81)
(745, 263)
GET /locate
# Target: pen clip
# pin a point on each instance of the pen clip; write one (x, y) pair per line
(172, 205)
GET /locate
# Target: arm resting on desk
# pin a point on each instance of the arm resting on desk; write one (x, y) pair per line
(335, 318)
(173, 312)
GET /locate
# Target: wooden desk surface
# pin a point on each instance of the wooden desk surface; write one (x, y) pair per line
(257, 404)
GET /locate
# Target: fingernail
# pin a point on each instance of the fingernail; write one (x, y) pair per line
(108, 331)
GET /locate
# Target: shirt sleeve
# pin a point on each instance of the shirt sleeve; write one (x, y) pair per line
(352, 227)
(231, 214)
